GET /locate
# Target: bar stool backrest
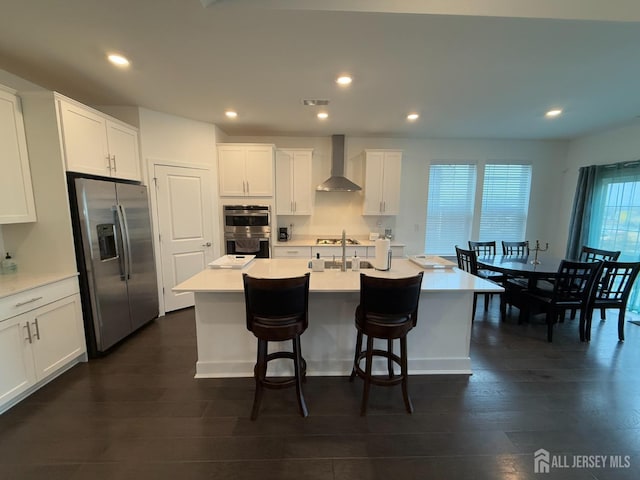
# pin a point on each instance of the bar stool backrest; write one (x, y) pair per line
(277, 308)
(390, 299)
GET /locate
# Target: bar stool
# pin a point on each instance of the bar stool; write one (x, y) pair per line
(277, 310)
(388, 310)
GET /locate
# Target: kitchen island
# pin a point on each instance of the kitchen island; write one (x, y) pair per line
(438, 345)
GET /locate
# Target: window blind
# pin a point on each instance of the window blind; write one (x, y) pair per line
(449, 208)
(505, 202)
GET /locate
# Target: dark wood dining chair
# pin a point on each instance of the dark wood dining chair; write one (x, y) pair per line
(467, 261)
(572, 287)
(612, 290)
(515, 248)
(486, 249)
(388, 310)
(277, 310)
(590, 254)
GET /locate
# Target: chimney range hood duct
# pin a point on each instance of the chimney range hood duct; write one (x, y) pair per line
(337, 182)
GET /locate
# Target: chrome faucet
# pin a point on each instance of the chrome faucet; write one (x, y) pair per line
(343, 267)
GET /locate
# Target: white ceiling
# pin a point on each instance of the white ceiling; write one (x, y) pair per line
(484, 69)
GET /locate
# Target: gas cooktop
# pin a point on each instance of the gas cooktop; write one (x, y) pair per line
(336, 241)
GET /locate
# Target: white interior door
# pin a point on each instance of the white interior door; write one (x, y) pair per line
(185, 221)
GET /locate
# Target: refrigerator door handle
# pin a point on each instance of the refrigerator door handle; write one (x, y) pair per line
(119, 244)
(126, 242)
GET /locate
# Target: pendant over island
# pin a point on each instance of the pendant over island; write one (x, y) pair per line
(439, 344)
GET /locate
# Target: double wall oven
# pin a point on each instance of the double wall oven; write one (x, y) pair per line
(247, 229)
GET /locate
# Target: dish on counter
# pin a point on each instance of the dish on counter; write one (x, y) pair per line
(431, 262)
(232, 261)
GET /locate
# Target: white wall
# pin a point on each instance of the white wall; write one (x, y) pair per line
(621, 144)
(171, 140)
(336, 210)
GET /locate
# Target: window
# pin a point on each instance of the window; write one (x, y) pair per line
(615, 217)
(505, 202)
(455, 214)
(449, 207)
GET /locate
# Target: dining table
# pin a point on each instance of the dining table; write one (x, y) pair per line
(525, 267)
(524, 272)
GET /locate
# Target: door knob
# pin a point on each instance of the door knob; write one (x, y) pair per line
(208, 244)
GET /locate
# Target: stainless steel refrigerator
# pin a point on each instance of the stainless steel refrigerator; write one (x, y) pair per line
(114, 251)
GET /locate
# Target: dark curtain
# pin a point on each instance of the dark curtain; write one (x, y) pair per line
(581, 213)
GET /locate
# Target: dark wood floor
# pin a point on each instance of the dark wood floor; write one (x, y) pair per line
(140, 414)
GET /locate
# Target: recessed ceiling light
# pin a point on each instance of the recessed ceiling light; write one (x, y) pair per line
(323, 115)
(344, 80)
(231, 114)
(412, 117)
(553, 113)
(118, 60)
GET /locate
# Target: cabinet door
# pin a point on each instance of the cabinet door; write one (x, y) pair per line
(301, 183)
(58, 335)
(123, 149)
(374, 165)
(391, 183)
(85, 140)
(259, 171)
(231, 162)
(16, 192)
(284, 182)
(16, 362)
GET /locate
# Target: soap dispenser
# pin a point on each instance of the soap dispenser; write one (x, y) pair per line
(355, 263)
(8, 265)
(317, 264)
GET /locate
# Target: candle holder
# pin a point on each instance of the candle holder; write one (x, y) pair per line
(537, 249)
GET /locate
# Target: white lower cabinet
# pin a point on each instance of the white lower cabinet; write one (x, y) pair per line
(38, 344)
(291, 252)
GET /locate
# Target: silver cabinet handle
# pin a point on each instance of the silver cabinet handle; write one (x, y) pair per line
(31, 300)
(208, 244)
(247, 187)
(115, 167)
(384, 206)
(108, 157)
(28, 333)
(37, 333)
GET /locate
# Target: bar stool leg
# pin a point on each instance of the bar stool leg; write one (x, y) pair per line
(355, 358)
(367, 378)
(389, 360)
(297, 364)
(405, 374)
(260, 373)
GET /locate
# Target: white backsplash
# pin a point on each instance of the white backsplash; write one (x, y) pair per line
(333, 212)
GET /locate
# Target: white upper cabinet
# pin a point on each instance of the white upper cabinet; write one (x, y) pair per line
(293, 181)
(16, 192)
(245, 170)
(383, 170)
(97, 144)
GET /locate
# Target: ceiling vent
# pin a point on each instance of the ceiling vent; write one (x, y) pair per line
(315, 103)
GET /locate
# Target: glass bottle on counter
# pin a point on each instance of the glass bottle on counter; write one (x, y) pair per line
(8, 265)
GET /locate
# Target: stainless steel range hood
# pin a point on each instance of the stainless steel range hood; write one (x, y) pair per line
(337, 182)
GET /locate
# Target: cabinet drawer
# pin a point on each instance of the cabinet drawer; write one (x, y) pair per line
(292, 252)
(36, 297)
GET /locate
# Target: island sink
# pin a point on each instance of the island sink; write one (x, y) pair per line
(336, 264)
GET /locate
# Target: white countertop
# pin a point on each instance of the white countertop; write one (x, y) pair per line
(13, 283)
(227, 280)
